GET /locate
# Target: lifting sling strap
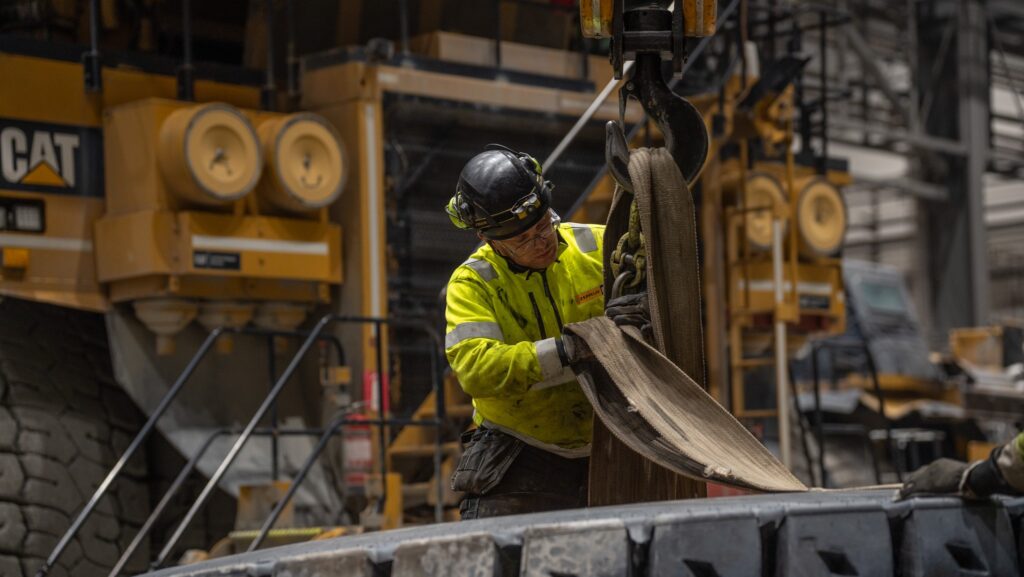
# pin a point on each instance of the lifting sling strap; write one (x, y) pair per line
(651, 397)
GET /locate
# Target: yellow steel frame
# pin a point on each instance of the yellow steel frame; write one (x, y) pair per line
(155, 249)
(751, 284)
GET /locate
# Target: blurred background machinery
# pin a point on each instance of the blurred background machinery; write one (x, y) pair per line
(187, 189)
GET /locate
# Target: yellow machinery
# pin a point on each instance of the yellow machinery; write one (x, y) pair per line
(776, 233)
(772, 234)
(198, 226)
(203, 203)
(172, 217)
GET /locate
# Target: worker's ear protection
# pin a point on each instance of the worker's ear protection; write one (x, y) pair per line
(459, 211)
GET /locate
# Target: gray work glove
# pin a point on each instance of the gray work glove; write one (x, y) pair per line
(979, 479)
(573, 350)
(631, 310)
(941, 477)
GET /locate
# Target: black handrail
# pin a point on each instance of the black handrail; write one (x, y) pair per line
(183, 475)
(818, 431)
(271, 398)
(189, 466)
(144, 432)
(849, 344)
(147, 428)
(881, 410)
(803, 428)
(329, 432)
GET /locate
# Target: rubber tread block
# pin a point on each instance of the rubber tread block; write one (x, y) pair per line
(470, 556)
(55, 443)
(971, 540)
(594, 541)
(712, 548)
(342, 564)
(1015, 508)
(575, 550)
(853, 543)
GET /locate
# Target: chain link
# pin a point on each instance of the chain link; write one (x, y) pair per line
(629, 259)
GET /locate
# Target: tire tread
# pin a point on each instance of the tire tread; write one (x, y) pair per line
(63, 422)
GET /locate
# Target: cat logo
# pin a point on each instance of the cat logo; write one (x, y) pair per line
(49, 158)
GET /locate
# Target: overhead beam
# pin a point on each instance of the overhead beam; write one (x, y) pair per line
(870, 63)
(923, 141)
(917, 188)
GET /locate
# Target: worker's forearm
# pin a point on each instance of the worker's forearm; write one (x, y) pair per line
(490, 369)
(487, 368)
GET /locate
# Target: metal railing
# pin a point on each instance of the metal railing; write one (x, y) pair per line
(382, 423)
(269, 401)
(180, 480)
(830, 345)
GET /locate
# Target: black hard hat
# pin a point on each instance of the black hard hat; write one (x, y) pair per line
(501, 193)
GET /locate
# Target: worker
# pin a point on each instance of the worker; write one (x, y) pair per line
(505, 310)
(1001, 473)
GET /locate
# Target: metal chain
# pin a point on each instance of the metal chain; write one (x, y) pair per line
(629, 259)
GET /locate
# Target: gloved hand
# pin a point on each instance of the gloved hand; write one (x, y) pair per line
(573, 350)
(979, 479)
(941, 477)
(631, 310)
(984, 479)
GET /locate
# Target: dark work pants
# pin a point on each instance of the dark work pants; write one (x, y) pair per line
(535, 480)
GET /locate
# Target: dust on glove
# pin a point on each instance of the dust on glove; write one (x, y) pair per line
(941, 477)
(631, 310)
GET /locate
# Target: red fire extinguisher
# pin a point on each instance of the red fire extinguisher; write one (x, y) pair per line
(358, 452)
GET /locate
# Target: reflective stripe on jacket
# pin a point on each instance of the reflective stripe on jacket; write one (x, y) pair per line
(501, 333)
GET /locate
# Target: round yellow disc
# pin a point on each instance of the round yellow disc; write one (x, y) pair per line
(211, 153)
(223, 152)
(821, 215)
(762, 198)
(306, 162)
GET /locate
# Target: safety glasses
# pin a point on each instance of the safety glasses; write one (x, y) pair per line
(540, 233)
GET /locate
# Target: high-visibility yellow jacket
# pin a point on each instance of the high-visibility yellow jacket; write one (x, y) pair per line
(503, 322)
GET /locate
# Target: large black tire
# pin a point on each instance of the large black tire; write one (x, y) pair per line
(63, 423)
(791, 534)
